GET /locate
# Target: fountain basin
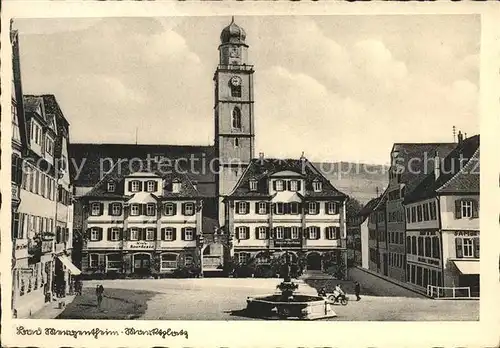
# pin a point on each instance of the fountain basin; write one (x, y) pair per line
(303, 307)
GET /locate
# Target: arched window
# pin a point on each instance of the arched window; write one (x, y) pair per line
(236, 118)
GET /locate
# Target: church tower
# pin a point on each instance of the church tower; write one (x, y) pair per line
(234, 110)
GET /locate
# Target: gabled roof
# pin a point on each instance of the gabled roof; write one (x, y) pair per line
(124, 169)
(415, 159)
(89, 157)
(455, 176)
(262, 169)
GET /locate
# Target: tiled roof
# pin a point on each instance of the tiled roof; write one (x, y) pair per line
(416, 160)
(262, 169)
(124, 169)
(89, 157)
(454, 177)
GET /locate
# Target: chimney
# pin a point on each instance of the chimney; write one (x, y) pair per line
(195, 184)
(437, 166)
(460, 137)
(261, 156)
(303, 162)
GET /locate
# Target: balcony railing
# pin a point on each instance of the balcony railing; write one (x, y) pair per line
(244, 67)
(442, 292)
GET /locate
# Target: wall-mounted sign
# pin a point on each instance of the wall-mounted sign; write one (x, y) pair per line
(140, 245)
(428, 261)
(287, 242)
(466, 233)
(21, 246)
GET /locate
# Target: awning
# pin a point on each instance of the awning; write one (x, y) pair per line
(69, 265)
(467, 267)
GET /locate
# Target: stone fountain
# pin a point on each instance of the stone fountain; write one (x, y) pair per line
(288, 303)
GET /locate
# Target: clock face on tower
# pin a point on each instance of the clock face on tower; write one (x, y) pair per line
(234, 52)
(236, 81)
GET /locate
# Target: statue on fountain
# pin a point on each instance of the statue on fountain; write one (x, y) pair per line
(287, 287)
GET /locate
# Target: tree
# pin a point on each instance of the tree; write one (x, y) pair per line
(353, 207)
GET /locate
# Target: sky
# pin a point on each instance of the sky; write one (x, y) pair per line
(338, 88)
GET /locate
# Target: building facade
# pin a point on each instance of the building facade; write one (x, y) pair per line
(377, 237)
(141, 222)
(286, 205)
(233, 153)
(409, 165)
(358, 236)
(42, 221)
(443, 223)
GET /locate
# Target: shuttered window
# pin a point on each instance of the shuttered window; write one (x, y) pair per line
(170, 209)
(134, 209)
(134, 233)
(95, 234)
(295, 232)
(280, 232)
(313, 232)
(135, 186)
(242, 232)
(95, 209)
(331, 208)
(312, 208)
(261, 208)
(243, 208)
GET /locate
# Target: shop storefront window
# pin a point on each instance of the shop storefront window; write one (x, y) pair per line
(113, 262)
(168, 261)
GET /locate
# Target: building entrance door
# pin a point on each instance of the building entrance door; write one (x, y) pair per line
(314, 262)
(142, 263)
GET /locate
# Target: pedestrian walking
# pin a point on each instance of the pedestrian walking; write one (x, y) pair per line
(99, 291)
(357, 290)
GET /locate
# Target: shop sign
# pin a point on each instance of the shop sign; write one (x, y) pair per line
(21, 246)
(46, 246)
(432, 262)
(466, 234)
(140, 245)
(287, 243)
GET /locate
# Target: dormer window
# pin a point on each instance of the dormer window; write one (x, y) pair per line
(135, 186)
(49, 146)
(151, 186)
(294, 185)
(317, 186)
(111, 186)
(176, 187)
(253, 185)
(278, 185)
